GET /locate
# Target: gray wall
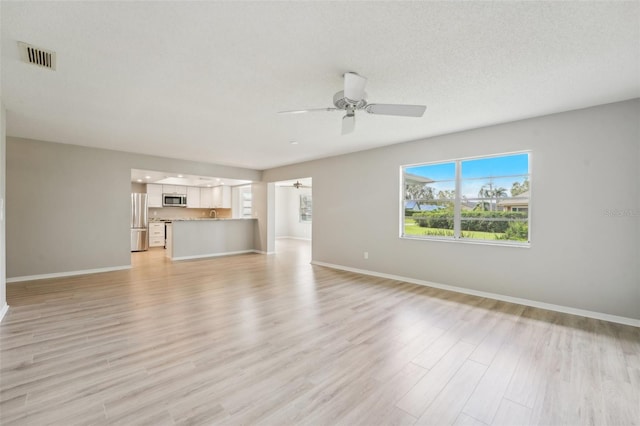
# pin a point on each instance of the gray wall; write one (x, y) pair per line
(3, 250)
(192, 238)
(584, 165)
(263, 208)
(68, 206)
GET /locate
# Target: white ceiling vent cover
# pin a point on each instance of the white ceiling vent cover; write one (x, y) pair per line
(37, 56)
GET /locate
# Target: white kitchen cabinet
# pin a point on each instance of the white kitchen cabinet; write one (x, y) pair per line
(174, 189)
(226, 197)
(206, 198)
(154, 195)
(193, 197)
(156, 234)
(222, 197)
(217, 196)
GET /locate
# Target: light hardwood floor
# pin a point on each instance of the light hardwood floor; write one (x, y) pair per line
(272, 340)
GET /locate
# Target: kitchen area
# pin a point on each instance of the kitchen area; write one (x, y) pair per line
(188, 216)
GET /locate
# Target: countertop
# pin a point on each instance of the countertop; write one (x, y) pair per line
(201, 219)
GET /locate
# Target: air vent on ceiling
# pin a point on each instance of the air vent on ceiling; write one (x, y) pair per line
(37, 56)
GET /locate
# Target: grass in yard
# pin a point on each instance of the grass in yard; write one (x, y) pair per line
(410, 228)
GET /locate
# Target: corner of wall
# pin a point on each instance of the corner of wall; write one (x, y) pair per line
(3, 252)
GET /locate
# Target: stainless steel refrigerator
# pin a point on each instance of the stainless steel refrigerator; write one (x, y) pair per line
(139, 223)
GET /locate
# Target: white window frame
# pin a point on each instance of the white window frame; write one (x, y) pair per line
(457, 203)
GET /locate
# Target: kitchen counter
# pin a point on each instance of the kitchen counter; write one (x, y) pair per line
(201, 219)
(208, 218)
(209, 237)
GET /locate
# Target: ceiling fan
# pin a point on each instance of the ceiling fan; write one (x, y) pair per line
(298, 185)
(353, 98)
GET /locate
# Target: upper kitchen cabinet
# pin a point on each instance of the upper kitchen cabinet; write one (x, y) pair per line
(222, 197)
(193, 197)
(154, 195)
(174, 189)
(206, 198)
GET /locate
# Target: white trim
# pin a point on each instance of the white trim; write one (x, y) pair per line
(457, 203)
(293, 238)
(203, 256)
(66, 274)
(517, 300)
(3, 311)
(263, 252)
(504, 243)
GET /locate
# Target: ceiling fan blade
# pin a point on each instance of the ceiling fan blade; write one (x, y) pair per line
(302, 111)
(401, 110)
(348, 123)
(354, 86)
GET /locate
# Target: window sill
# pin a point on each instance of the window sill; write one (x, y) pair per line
(467, 241)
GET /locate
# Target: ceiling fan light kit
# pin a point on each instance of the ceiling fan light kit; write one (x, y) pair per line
(353, 98)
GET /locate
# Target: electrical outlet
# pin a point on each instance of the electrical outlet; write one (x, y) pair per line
(366, 254)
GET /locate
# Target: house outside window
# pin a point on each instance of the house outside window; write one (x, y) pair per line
(484, 199)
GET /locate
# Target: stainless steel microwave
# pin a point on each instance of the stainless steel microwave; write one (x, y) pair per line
(174, 200)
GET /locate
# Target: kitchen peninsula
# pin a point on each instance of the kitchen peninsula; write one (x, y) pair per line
(197, 238)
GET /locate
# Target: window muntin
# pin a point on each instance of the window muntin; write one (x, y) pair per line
(481, 199)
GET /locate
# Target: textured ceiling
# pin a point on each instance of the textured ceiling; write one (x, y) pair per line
(204, 80)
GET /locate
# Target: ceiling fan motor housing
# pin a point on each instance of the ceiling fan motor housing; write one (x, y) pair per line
(344, 103)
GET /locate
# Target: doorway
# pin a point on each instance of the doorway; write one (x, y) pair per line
(294, 217)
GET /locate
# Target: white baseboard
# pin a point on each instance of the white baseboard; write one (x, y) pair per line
(517, 300)
(263, 252)
(66, 274)
(203, 256)
(3, 311)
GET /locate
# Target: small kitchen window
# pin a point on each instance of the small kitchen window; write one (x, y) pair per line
(246, 202)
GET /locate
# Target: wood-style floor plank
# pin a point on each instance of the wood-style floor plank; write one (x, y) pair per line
(273, 340)
(447, 406)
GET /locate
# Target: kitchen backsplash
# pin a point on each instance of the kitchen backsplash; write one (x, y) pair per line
(183, 213)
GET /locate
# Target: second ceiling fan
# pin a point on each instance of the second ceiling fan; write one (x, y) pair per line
(299, 185)
(353, 98)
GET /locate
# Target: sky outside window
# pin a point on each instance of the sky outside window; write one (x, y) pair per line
(517, 164)
(496, 172)
(437, 172)
(499, 172)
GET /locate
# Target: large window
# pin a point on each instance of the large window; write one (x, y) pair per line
(483, 199)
